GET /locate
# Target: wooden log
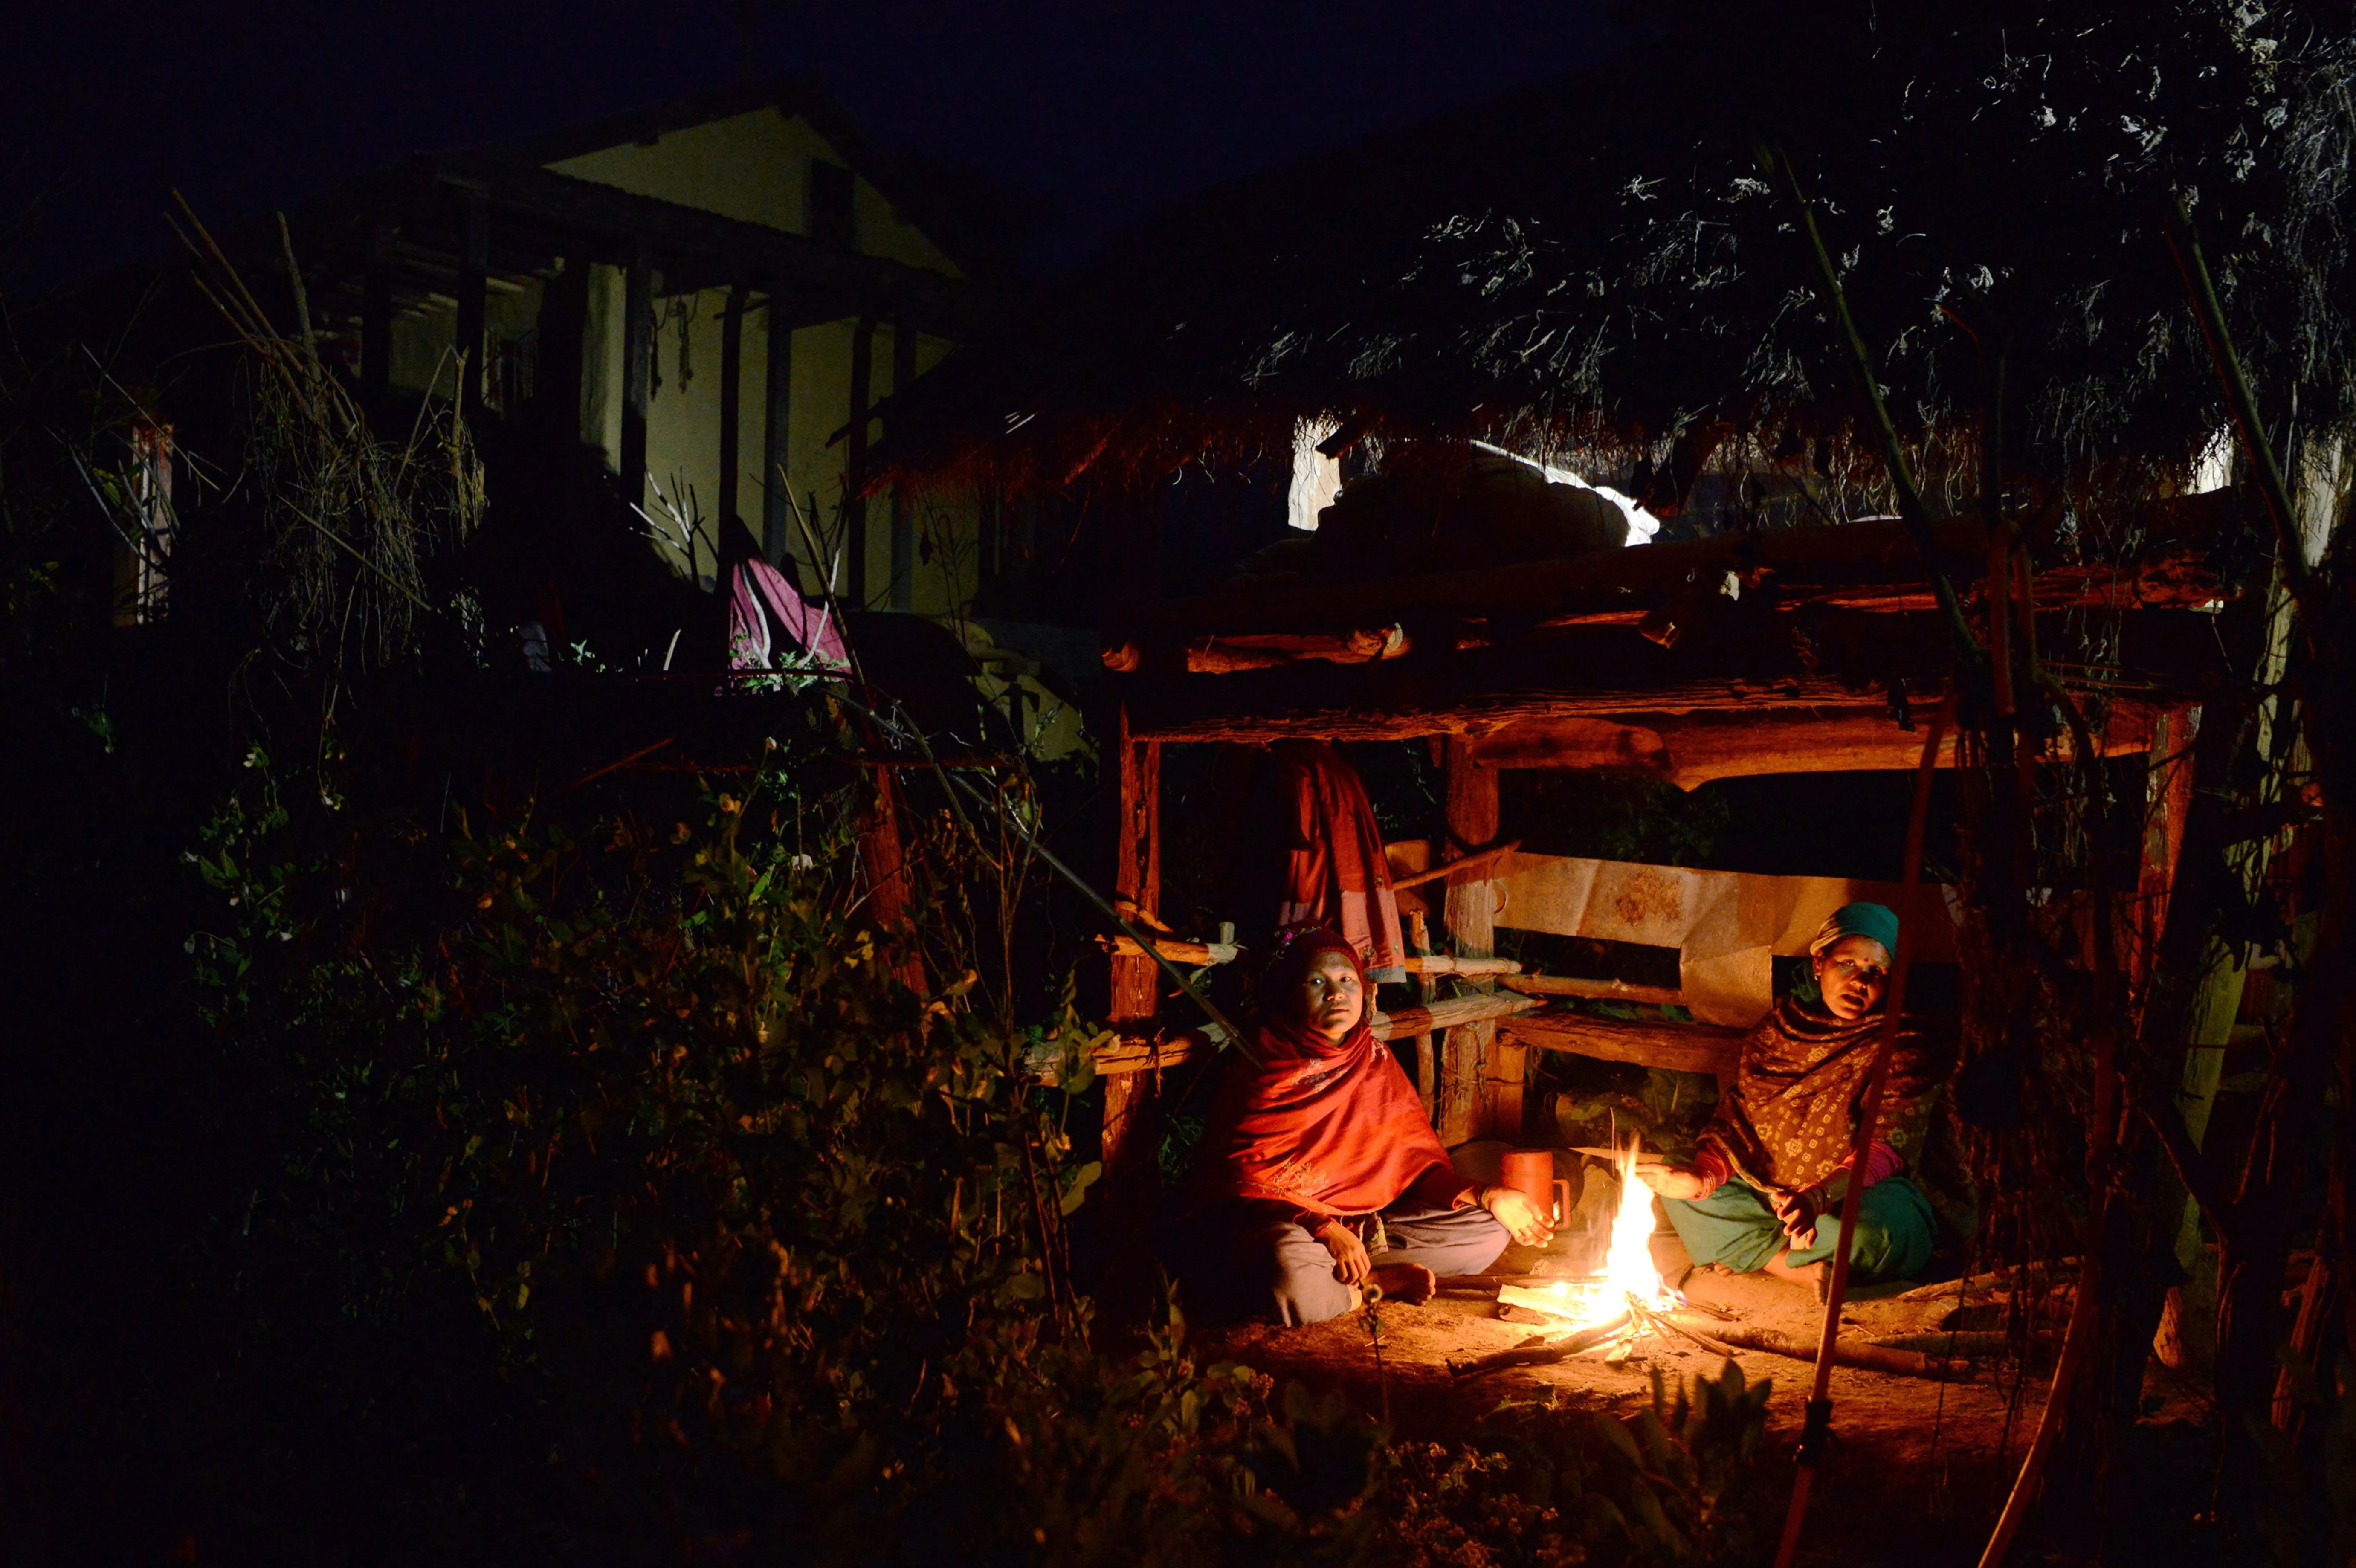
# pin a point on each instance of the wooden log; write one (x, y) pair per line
(1544, 1353)
(1456, 1013)
(1175, 949)
(1461, 865)
(1127, 1055)
(1594, 990)
(1685, 1047)
(1846, 1353)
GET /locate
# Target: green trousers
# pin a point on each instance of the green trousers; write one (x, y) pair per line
(1735, 1227)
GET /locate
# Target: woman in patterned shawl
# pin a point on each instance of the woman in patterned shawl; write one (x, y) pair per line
(1766, 1184)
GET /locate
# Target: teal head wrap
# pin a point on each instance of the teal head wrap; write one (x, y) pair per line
(1878, 921)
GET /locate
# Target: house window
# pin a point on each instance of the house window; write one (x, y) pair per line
(145, 553)
(830, 205)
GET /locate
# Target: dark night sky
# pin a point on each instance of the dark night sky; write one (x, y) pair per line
(1092, 113)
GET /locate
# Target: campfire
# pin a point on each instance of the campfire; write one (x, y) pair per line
(1618, 1309)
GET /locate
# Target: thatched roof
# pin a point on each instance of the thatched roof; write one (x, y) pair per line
(1593, 266)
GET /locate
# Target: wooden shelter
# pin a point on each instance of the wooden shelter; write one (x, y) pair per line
(1795, 651)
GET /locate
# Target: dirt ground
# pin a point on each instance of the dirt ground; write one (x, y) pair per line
(1918, 1468)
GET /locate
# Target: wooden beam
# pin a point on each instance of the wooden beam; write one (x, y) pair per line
(1595, 990)
(474, 263)
(1691, 748)
(637, 368)
(1594, 672)
(1860, 565)
(1465, 863)
(1131, 1133)
(777, 529)
(1686, 1047)
(1456, 1013)
(904, 499)
(732, 417)
(854, 472)
(1468, 1106)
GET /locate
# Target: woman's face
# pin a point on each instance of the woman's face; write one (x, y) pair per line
(1850, 974)
(1331, 995)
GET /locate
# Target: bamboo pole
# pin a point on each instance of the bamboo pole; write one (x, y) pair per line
(1817, 1426)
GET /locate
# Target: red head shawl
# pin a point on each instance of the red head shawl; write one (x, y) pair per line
(1333, 1127)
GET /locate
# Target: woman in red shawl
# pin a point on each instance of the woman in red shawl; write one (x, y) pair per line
(1319, 1173)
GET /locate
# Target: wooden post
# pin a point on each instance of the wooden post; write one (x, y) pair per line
(883, 865)
(1427, 1069)
(638, 365)
(376, 322)
(903, 508)
(1470, 1106)
(854, 467)
(732, 417)
(776, 505)
(473, 269)
(1128, 1120)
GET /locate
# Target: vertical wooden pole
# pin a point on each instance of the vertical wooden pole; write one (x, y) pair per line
(1129, 1098)
(883, 864)
(732, 417)
(1427, 1068)
(638, 366)
(855, 471)
(903, 508)
(1469, 1105)
(776, 505)
(473, 269)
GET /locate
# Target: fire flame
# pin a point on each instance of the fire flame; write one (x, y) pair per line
(1628, 1269)
(1628, 1266)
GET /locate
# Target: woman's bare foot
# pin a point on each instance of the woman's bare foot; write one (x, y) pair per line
(1411, 1284)
(1811, 1275)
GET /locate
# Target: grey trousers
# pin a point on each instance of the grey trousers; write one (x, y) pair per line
(1279, 1269)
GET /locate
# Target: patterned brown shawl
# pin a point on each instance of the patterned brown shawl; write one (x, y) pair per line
(1791, 1117)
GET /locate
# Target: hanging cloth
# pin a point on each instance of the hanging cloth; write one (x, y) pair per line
(1335, 872)
(762, 606)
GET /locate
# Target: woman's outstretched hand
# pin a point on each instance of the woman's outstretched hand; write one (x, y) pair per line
(1672, 1181)
(1351, 1263)
(1525, 1221)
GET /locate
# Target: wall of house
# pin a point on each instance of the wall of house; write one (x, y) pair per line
(755, 168)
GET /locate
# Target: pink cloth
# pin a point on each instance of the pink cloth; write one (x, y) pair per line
(755, 587)
(1881, 1163)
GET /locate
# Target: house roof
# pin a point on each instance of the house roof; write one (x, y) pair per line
(1597, 264)
(797, 97)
